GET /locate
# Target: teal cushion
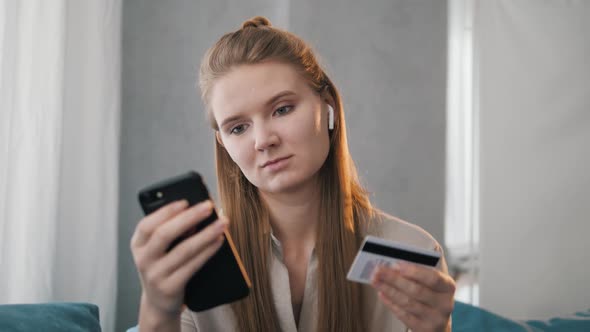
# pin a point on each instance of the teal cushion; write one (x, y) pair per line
(470, 318)
(49, 317)
(579, 321)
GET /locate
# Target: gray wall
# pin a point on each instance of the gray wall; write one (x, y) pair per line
(535, 184)
(387, 57)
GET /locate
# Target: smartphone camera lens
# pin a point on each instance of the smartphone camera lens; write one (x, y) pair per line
(149, 197)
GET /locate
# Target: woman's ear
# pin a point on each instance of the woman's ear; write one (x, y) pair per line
(327, 98)
(218, 138)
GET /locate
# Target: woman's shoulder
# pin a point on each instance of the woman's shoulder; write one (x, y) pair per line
(389, 227)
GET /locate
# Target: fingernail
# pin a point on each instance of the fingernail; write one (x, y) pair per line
(206, 205)
(221, 223)
(181, 204)
(397, 267)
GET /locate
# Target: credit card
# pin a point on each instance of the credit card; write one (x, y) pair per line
(377, 251)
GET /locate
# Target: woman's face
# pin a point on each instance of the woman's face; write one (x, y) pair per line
(267, 112)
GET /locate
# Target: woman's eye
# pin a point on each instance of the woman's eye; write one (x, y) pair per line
(283, 110)
(237, 129)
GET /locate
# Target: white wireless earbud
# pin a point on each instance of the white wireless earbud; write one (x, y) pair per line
(330, 117)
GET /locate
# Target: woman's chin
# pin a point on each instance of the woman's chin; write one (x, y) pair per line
(279, 188)
(284, 185)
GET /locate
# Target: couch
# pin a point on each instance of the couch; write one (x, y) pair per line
(65, 317)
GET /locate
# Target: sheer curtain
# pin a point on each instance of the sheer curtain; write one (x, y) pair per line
(59, 151)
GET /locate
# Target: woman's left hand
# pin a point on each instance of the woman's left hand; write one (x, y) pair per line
(420, 296)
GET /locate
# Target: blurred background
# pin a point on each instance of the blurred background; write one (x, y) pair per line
(469, 118)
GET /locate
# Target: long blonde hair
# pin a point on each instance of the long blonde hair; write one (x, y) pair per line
(344, 205)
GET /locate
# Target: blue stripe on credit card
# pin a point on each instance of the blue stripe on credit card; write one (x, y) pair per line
(398, 253)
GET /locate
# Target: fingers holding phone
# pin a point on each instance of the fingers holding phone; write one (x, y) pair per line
(189, 255)
(183, 254)
(149, 223)
(178, 227)
(164, 272)
(194, 255)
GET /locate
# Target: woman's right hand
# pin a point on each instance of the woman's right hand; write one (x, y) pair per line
(164, 274)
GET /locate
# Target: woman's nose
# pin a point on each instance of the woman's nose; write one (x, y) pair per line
(265, 137)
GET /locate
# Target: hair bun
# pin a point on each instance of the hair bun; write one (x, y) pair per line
(256, 22)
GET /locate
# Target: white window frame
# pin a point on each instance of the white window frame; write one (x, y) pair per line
(462, 163)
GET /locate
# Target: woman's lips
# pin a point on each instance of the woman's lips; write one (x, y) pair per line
(276, 164)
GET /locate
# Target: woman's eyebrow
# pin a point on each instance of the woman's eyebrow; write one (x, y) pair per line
(278, 96)
(230, 119)
(268, 103)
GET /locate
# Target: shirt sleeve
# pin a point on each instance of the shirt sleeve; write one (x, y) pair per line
(442, 263)
(187, 322)
(442, 266)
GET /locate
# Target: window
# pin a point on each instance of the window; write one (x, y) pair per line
(462, 189)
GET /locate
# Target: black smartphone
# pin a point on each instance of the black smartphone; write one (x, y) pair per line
(223, 278)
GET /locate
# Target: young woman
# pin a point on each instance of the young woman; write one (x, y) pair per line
(293, 204)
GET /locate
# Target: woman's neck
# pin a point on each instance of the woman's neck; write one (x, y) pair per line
(294, 215)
